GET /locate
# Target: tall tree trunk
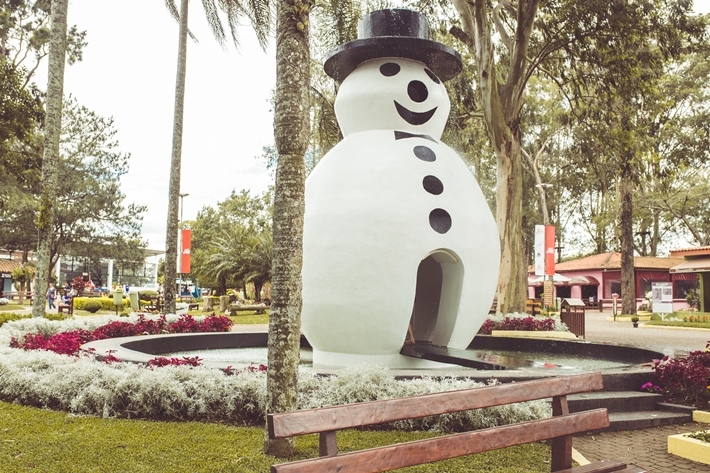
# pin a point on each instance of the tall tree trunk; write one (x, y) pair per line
(628, 279)
(171, 233)
(501, 110)
(291, 133)
(50, 158)
(512, 282)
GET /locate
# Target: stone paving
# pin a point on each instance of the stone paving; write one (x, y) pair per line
(646, 448)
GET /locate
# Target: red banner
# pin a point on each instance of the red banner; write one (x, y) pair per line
(185, 250)
(549, 250)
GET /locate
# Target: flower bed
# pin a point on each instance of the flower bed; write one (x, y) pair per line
(522, 322)
(683, 380)
(70, 342)
(81, 385)
(693, 446)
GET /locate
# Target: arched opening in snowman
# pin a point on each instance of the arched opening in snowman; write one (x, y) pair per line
(436, 301)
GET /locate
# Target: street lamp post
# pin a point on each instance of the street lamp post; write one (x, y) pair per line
(182, 196)
(181, 206)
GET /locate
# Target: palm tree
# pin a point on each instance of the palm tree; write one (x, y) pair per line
(258, 258)
(50, 158)
(291, 134)
(228, 260)
(259, 14)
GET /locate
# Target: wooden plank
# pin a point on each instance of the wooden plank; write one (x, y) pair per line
(441, 448)
(604, 466)
(377, 412)
(561, 447)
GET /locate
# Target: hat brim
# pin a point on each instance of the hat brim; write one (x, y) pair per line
(443, 61)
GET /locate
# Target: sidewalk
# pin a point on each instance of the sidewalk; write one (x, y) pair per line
(645, 448)
(669, 341)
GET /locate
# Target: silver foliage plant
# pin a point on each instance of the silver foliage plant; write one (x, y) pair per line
(84, 386)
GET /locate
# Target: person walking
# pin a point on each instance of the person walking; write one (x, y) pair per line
(51, 295)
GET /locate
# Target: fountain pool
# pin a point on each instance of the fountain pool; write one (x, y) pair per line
(514, 358)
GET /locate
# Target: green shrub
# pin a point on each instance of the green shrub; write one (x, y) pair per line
(92, 305)
(9, 316)
(106, 302)
(124, 314)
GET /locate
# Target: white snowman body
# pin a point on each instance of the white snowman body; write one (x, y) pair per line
(397, 232)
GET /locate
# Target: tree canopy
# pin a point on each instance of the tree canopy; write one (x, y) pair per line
(232, 243)
(91, 217)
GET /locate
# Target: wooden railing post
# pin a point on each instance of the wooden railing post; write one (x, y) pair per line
(561, 447)
(327, 446)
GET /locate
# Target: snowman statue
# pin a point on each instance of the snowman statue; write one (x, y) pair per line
(399, 244)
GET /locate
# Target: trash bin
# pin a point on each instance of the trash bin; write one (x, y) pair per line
(133, 297)
(572, 315)
(118, 299)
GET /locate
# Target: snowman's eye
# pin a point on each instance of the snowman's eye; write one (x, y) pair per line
(389, 69)
(432, 76)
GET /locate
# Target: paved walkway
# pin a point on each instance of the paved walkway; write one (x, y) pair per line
(646, 448)
(669, 341)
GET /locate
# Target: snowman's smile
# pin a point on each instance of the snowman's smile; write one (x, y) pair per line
(414, 118)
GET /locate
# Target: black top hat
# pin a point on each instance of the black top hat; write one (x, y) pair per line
(393, 33)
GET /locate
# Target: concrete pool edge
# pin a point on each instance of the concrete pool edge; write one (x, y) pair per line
(142, 348)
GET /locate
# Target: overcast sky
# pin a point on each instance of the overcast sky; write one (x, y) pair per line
(128, 72)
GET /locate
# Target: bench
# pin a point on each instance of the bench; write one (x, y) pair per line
(69, 307)
(257, 308)
(558, 429)
(190, 301)
(533, 306)
(17, 294)
(154, 304)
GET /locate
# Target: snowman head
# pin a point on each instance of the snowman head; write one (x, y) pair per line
(392, 94)
(391, 75)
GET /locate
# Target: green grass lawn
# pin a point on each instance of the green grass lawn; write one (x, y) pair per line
(250, 318)
(14, 307)
(679, 324)
(700, 320)
(36, 440)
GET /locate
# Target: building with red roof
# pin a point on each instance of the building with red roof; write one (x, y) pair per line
(599, 276)
(696, 264)
(6, 267)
